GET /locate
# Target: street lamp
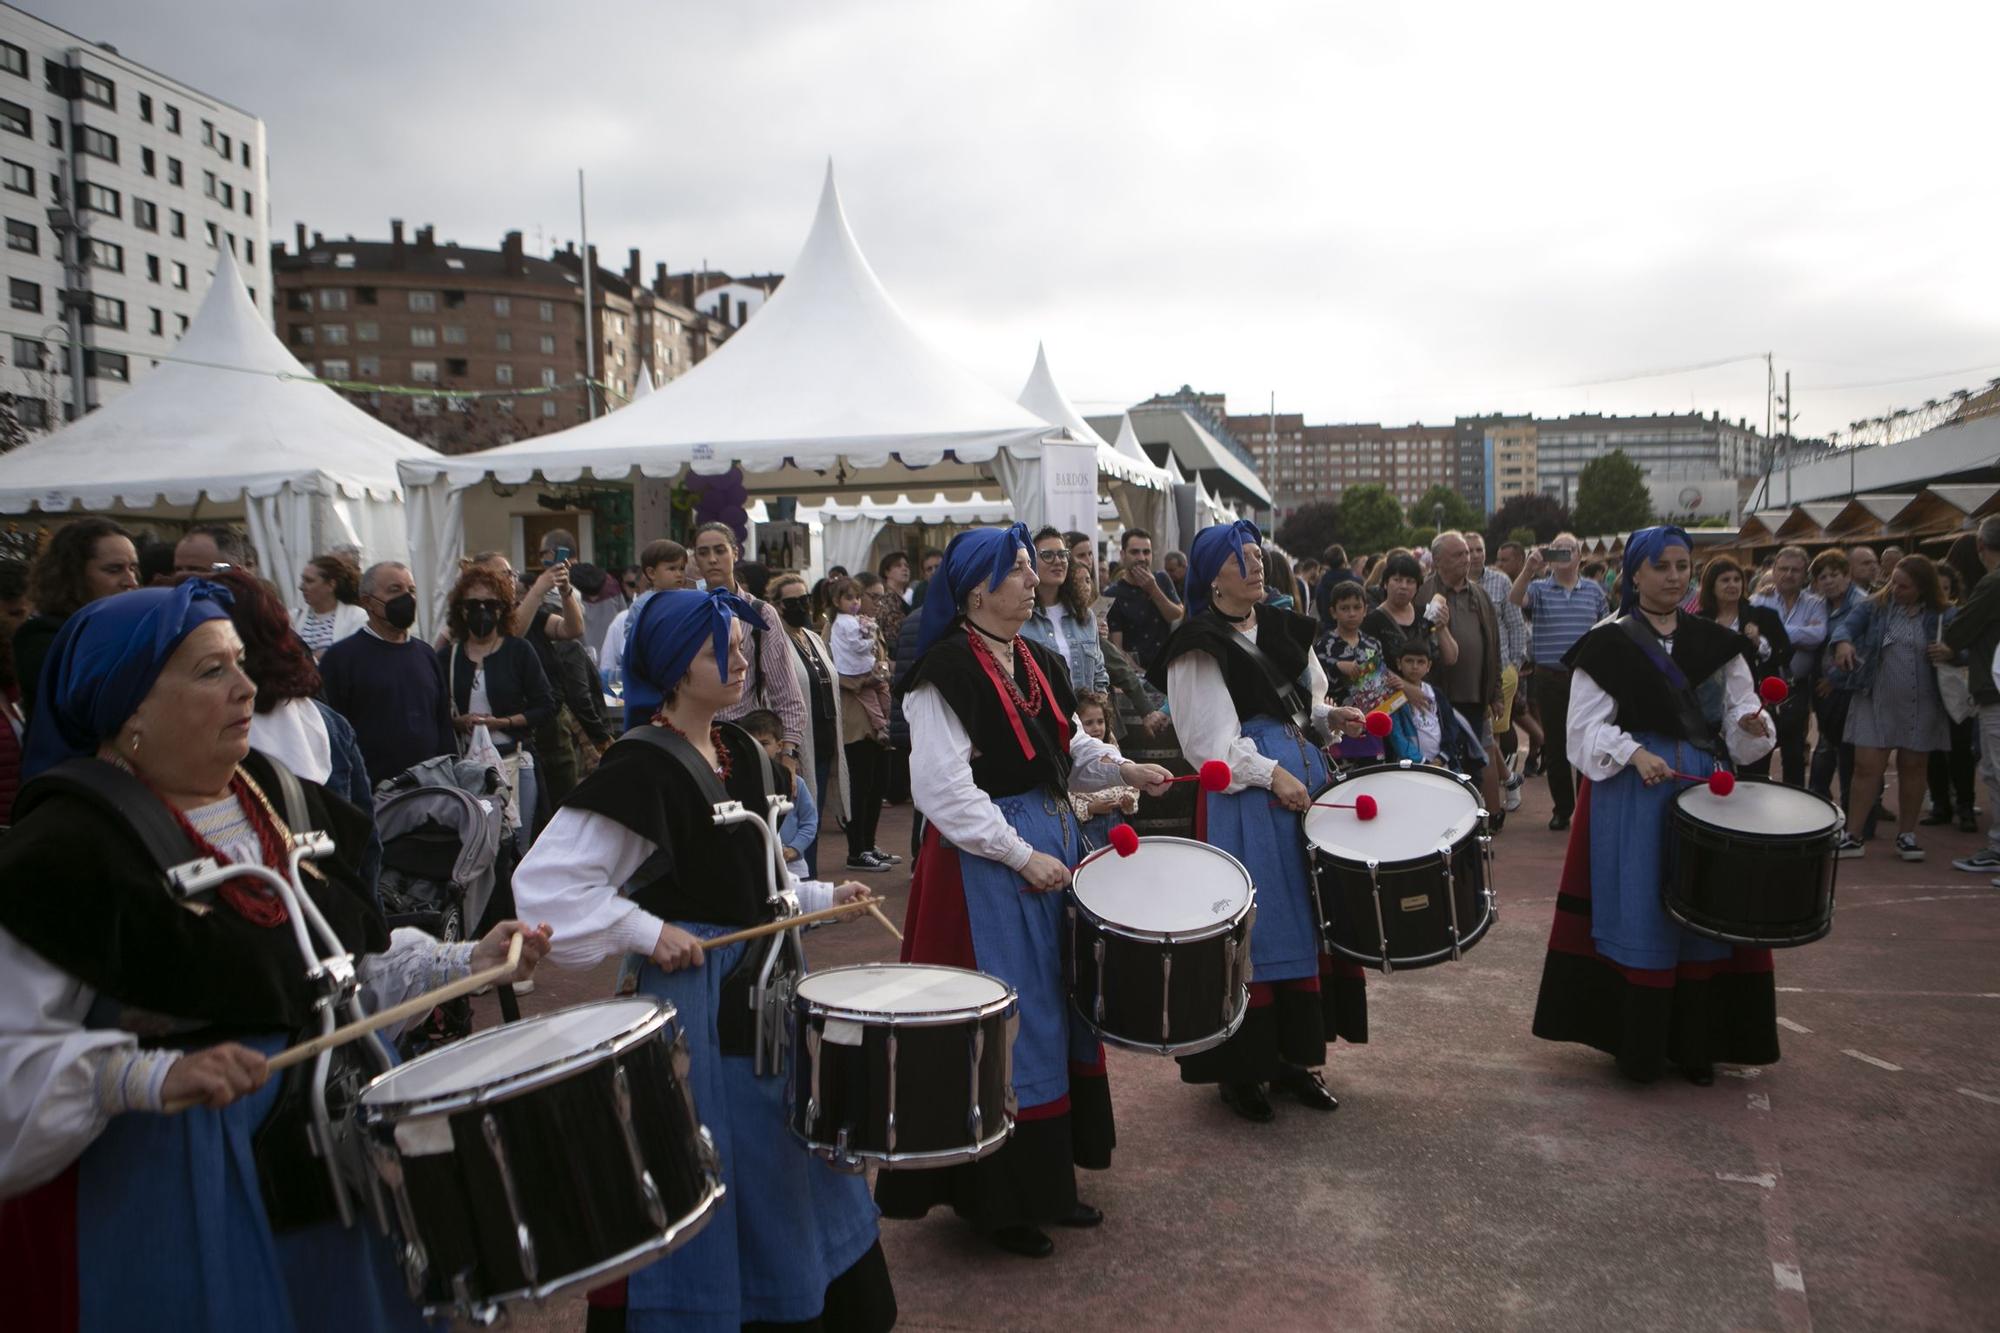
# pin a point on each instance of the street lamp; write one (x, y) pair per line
(1437, 518)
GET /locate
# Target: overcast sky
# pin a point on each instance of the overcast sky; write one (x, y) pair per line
(1383, 212)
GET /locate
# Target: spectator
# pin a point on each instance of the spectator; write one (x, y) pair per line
(1281, 588)
(1890, 555)
(1357, 673)
(1398, 618)
(928, 560)
(1099, 811)
(1974, 634)
(1062, 620)
(864, 736)
(1831, 756)
(1562, 607)
(389, 687)
(1175, 564)
(555, 626)
(798, 831)
(156, 564)
(13, 610)
(1145, 606)
(329, 606)
(1864, 571)
(603, 602)
(632, 579)
(857, 656)
(1892, 644)
(1470, 674)
(1951, 770)
(821, 762)
(772, 683)
(1498, 582)
(1804, 615)
(662, 568)
(86, 560)
(1333, 573)
(1722, 597)
(895, 571)
(496, 681)
(208, 546)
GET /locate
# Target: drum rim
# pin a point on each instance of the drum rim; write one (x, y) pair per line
(1751, 780)
(1820, 930)
(1214, 930)
(928, 1018)
(1489, 917)
(1176, 1048)
(514, 1085)
(858, 1158)
(1482, 817)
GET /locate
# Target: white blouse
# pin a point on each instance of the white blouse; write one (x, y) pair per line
(1209, 727)
(1598, 747)
(60, 1082)
(941, 779)
(574, 877)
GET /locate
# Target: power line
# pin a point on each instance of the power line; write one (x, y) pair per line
(1907, 379)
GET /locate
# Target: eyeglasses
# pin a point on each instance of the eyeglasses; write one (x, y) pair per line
(1054, 556)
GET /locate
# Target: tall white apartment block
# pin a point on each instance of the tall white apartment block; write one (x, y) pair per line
(118, 186)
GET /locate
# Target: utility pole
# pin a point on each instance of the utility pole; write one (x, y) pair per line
(1787, 436)
(589, 304)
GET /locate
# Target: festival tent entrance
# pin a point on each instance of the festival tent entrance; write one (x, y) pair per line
(827, 392)
(848, 532)
(230, 427)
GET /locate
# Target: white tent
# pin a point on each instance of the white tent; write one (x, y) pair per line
(828, 390)
(850, 530)
(1138, 487)
(230, 427)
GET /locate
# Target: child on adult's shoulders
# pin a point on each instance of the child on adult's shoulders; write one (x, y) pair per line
(1098, 811)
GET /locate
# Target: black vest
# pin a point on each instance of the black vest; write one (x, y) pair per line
(1645, 701)
(998, 765)
(1284, 637)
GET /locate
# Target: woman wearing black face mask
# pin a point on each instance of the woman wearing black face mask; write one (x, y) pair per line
(820, 758)
(495, 679)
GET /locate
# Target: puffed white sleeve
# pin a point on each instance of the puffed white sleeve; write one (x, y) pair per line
(1096, 762)
(573, 879)
(1598, 747)
(1317, 689)
(1205, 720)
(413, 963)
(941, 783)
(1740, 700)
(60, 1082)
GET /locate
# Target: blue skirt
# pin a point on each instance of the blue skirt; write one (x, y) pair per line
(1271, 844)
(1629, 827)
(789, 1225)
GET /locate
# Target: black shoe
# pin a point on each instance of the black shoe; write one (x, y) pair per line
(1968, 824)
(1028, 1242)
(1496, 821)
(1082, 1217)
(866, 864)
(1939, 818)
(1557, 823)
(1701, 1076)
(1533, 768)
(1248, 1100)
(881, 855)
(1309, 1089)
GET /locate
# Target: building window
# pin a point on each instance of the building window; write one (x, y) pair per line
(503, 374)
(97, 143)
(24, 295)
(20, 177)
(548, 344)
(173, 171)
(333, 298)
(370, 367)
(546, 311)
(503, 306)
(548, 377)
(423, 303)
(246, 152)
(105, 255)
(423, 372)
(453, 300)
(333, 335)
(249, 252)
(456, 368)
(333, 370)
(145, 214)
(101, 199)
(248, 210)
(214, 236)
(15, 117)
(108, 365)
(24, 236)
(208, 184)
(423, 335)
(14, 59)
(424, 407)
(28, 353)
(455, 334)
(208, 134)
(183, 322)
(548, 407)
(146, 107)
(147, 162)
(108, 311)
(302, 334)
(98, 89)
(157, 323)
(173, 119)
(180, 276)
(55, 133)
(367, 331)
(178, 223)
(503, 341)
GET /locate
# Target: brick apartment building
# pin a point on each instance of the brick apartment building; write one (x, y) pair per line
(413, 311)
(1302, 464)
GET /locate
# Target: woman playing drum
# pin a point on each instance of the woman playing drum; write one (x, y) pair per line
(1244, 687)
(120, 996)
(1652, 688)
(634, 862)
(994, 749)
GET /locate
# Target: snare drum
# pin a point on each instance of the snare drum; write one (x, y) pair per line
(906, 1065)
(1412, 886)
(1157, 954)
(562, 1151)
(1754, 867)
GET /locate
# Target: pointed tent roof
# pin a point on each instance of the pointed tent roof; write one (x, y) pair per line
(642, 386)
(1042, 396)
(232, 413)
(828, 373)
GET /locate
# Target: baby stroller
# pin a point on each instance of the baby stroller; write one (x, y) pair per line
(440, 825)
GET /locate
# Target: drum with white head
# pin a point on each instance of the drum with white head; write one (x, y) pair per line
(1755, 867)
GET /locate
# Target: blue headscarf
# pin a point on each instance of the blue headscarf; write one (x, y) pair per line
(1642, 548)
(1213, 545)
(104, 663)
(983, 555)
(672, 627)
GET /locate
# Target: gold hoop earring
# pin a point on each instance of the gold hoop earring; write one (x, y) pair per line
(137, 736)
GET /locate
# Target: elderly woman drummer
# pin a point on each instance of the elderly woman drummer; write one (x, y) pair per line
(118, 995)
(995, 748)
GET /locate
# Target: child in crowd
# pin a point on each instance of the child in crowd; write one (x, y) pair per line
(798, 830)
(1097, 811)
(1355, 667)
(1433, 734)
(858, 660)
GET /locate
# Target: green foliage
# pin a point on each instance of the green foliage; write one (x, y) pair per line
(1415, 538)
(1370, 519)
(1544, 515)
(1309, 529)
(1611, 496)
(1525, 536)
(1457, 513)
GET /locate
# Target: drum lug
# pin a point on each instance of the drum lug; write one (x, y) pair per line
(1166, 996)
(416, 1263)
(1451, 894)
(976, 1120)
(814, 1036)
(1013, 1102)
(681, 1061)
(1375, 890)
(891, 1143)
(656, 1208)
(1230, 985)
(524, 1240)
(1097, 953)
(1492, 890)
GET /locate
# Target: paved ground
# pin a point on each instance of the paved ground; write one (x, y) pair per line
(1477, 1178)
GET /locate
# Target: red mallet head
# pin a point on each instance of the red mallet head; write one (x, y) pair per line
(1215, 776)
(1124, 840)
(1773, 690)
(1365, 807)
(1722, 783)
(1378, 724)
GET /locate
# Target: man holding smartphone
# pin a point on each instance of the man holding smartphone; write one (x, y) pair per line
(1144, 606)
(1563, 608)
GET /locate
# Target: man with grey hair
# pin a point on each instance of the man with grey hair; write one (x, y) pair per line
(389, 686)
(1513, 651)
(1974, 634)
(1471, 680)
(1864, 570)
(1563, 607)
(1805, 617)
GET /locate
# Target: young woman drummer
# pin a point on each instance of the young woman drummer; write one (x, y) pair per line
(633, 862)
(1221, 671)
(995, 748)
(1621, 975)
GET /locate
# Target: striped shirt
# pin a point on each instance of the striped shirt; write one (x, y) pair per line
(1805, 626)
(1563, 615)
(1513, 629)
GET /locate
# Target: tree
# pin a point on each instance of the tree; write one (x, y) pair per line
(1544, 514)
(1370, 519)
(1457, 513)
(1611, 495)
(1309, 529)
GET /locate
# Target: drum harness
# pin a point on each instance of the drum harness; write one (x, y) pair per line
(1693, 721)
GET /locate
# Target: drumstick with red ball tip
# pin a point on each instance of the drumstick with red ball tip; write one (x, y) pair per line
(1214, 776)
(1364, 806)
(1773, 690)
(1379, 724)
(1719, 782)
(1124, 841)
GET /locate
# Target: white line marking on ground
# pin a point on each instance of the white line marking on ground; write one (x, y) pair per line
(1749, 1071)
(1800, 1028)
(1759, 1102)
(1763, 1180)
(1980, 1096)
(1788, 1278)
(1893, 994)
(1928, 898)
(1868, 1059)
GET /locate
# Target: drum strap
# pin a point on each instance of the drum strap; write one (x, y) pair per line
(1694, 725)
(1290, 692)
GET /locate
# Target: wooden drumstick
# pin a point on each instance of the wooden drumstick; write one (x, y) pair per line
(785, 923)
(887, 924)
(411, 1008)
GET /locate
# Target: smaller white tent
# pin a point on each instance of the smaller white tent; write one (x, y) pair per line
(1138, 487)
(230, 427)
(849, 531)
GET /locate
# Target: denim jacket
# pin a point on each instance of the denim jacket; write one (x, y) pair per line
(1086, 654)
(1865, 627)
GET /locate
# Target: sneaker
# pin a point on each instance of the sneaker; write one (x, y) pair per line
(867, 864)
(1513, 782)
(890, 857)
(1985, 861)
(1850, 847)
(1906, 847)
(1512, 801)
